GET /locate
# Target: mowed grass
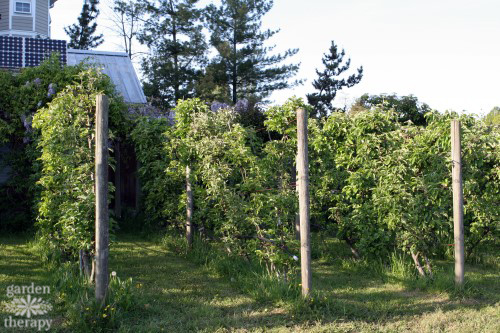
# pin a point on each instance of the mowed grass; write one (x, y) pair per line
(176, 295)
(19, 265)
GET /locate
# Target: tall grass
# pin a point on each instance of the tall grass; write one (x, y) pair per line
(244, 273)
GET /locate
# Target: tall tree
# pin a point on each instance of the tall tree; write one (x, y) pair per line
(177, 46)
(329, 81)
(82, 34)
(243, 63)
(127, 19)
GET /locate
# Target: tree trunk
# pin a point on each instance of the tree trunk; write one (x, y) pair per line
(235, 65)
(417, 263)
(189, 208)
(354, 251)
(428, 266)
(85, 264)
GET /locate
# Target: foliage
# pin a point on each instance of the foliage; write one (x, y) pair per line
(82, 34)
(67, 142)
(177, 50)
(329, 82)
(408, 108)
(243, 63)
(376, 183)
(493, 117)
(388, 185)
(21, 95)
(159, 185)
(347, 152)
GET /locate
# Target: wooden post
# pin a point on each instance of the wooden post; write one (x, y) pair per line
(118, 184)
(101, 198)
(303, 170)
(458, 203)
(189, 208)
(297, 217)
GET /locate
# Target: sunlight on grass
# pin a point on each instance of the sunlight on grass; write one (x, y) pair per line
(176, 295)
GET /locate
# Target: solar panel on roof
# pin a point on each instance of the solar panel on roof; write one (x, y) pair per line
(37, 50)
(13, 50)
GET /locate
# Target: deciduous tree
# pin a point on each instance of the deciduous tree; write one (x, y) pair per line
(127, 21)
(408, 108)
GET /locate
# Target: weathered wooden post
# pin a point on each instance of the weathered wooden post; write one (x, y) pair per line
(297, 217)
(101, 198)
(303, 170)
(189, 208)
(458, 203)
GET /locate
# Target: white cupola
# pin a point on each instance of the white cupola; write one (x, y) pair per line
(25, 18)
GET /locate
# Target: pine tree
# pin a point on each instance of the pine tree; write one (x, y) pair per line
(177, 50)
(329, 81)
(243, 63)
(82, 33)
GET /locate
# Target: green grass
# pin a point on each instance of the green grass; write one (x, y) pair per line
(177, 295)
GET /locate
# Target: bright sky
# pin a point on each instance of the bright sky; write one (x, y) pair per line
(445, 52)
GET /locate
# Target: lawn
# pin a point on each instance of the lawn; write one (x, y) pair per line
(176, 295)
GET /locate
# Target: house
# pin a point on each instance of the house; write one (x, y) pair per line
(25, 18)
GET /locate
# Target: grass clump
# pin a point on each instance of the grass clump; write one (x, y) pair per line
(80, 312)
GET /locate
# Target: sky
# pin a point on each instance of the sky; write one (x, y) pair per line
(444, 52)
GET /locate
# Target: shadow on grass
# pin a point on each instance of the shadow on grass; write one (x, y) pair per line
(176, 295)
(374, 296)
(181, 296)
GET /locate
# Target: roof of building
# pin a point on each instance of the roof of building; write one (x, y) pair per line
(118, 67)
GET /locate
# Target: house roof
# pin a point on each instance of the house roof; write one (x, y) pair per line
(118, 67)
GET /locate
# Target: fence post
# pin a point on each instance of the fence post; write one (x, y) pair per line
(458, 203)
(296, 182)
(303, 170)
(189, 208)
(101, 198)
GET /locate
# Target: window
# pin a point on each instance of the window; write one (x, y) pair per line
(23, 7)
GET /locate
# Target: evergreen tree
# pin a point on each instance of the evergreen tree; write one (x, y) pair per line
(177, 46)
(243, 63)
(329, 81)
(82, 33)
